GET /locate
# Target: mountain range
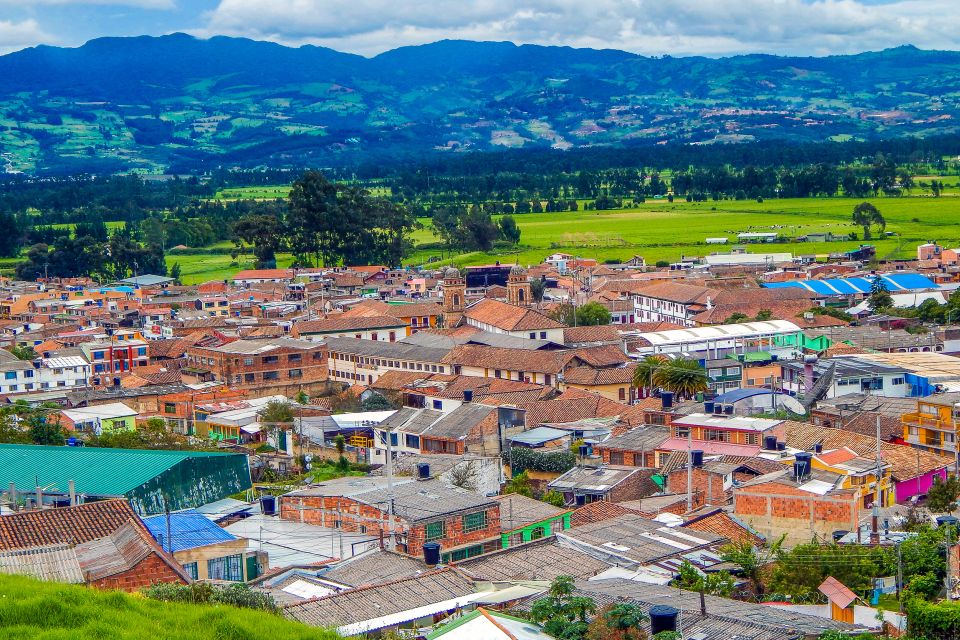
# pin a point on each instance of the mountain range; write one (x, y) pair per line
(181, 103)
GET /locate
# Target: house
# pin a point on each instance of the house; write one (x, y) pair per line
(151, 480)
(847, 375)
(717, 434)
(777, 504)
(719, 340)
(414, 315)
(495, 316)
(258, 276)
(615, 383)
(382, 328)
(524, 519)
(672, 302)
(102, 544)
(115, 356)
(57, 371)
(354, 361)
(204, 550)
(98, 419)
(585, 484)
(482, 624)
(638, 447)
(413, 602)
(840, 598)
(462, 522)
(281, 364)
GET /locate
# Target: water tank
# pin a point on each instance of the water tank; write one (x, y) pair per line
(839, 533)
(728, 409)
(71, 442)
(662, 618)
(818, 448)
(468, 395)
(942, 520)
(431, 553)
(696, 457)
(268, 504)
(667, 398)
(781, 446)
(717, 408)
(708, 406)
(423, 470)
(770, 443)
(63, 501)
(802, 465)
(580, 500)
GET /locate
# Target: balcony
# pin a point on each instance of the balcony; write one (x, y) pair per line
(927, 421)
(931, 442)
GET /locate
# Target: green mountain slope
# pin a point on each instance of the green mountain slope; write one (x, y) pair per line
(41, 610)
(175, 101)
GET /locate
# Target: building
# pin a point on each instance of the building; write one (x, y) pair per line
(719, 341)
(203, 549)
(376, 328)
(353, 361)
(115, 356)
(847, 375)
(454, 297)
(273, 363)
(524, 519)
(859, 287)
(102, 544)
(638, 447)
(674, 302)
(932, 426)
(61, 371)
(721, 434)
(518, 287)
(463, 523)
(99, 419)
(151, 480)
(585, 484)
(495, 316)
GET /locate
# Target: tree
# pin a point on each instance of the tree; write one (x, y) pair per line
(683, 376)
(553, 497)
(942, 495)
(478, 230)
(752, 560)
(509, 230)
(645, 374)
(375, 402)
(736, 318)
(23, 352)
(175, 272)
(519, 484)
(312, 213)
(592, 313)
(274, 416)
(880, 297)
(537, 288)
(464, 475)
(562, 614)
(866, 215)
(716, 584)
(264, 233)
(626, 618)
(764, 314)
(46, 430)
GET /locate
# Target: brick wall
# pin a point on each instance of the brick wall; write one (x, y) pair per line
(355, 517)
(633, 488)
(149, 570)
(630, 458)
(270, 369)
(709, 485)
(775, 509)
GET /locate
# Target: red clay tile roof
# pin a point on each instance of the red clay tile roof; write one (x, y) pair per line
(250, 274)
(723, 524)
(73, 525)
(572, 405)
(601, 333)
(475, 355)
(407, 310)
(509, 317)
(342, 322)
(678, 292)
(598, 512)
(838, 456)
(606, 355)
(589, 376)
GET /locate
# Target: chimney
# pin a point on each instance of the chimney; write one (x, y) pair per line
(73, 492)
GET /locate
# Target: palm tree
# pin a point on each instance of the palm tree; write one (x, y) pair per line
(645, 373)
(683, 376)
(625, 618)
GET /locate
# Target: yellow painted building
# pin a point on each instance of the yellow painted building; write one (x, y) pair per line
(858, 473)
(933, 426)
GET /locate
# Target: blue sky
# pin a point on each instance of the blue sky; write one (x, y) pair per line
(652, 27)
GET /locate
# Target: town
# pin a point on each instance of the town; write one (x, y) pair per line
(749, 445)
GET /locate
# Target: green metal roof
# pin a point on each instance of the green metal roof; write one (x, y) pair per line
(97, 471)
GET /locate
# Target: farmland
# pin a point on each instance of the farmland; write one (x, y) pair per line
(660, 230)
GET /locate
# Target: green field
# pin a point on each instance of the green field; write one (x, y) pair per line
(660, 230)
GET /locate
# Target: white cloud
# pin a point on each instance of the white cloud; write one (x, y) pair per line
(677, 27)
(17, 35)
(139, 4)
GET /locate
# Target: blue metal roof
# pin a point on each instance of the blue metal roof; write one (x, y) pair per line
(188, 530)
(846, 286)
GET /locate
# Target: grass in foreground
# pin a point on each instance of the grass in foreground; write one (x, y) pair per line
(35, 610)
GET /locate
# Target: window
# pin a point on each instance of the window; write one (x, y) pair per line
(616, 457)
(248, 361)
(463, 554)
(98, 355)
(10, 375)
(412, 441)
(681, 432)
(271, 375)
(169, 407)
(622, 394)
(294, 357)
(248, 377)
(543, 335)
(897, 381)
(438, 405)
(226, 568)
(716, 435)
(753, 438)
(191, 570)
(497, 373)
(142, 351)
(474, 521)
(271, 359)
(296, 373)
(533, 334)
(436, 530)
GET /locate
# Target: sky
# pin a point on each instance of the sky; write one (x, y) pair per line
(368, 27)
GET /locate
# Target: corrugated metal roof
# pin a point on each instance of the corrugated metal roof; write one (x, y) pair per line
(56, 563)
(97, 472)
(188, 530)
(847, 286)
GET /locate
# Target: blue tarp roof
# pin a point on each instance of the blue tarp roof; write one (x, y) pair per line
(845, 286)
(188, 530)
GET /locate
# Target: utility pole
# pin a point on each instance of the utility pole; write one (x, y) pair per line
(689, 469)
(166, 511)
(899, 575)
(390, 540)
(946, 579)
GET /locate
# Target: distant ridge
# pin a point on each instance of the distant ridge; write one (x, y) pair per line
(155, 102)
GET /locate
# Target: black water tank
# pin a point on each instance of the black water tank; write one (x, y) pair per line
(662, 618)
(781, 446)
(770, 443)
(580, 500)
(942, 520)
(717, 408)
(431, 553)
(696, 457)
(268, 504)
(468, 395)
(708, 406)
(667, 398)
(818, 448)
(423, 470)
(728, 409)
(802, 466)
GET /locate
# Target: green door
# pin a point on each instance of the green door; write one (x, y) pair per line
(251, 568)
